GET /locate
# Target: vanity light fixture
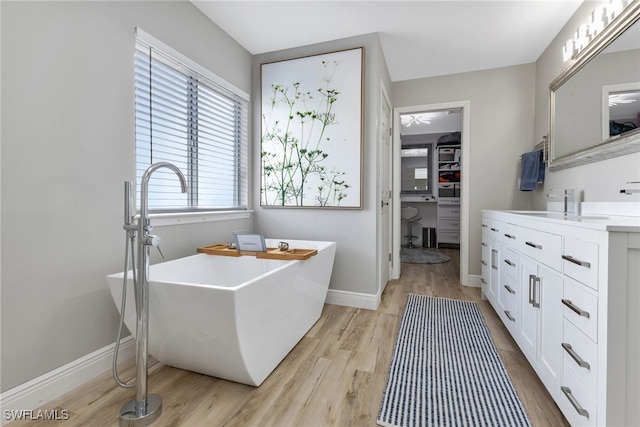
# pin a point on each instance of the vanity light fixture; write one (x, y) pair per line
(600, 18)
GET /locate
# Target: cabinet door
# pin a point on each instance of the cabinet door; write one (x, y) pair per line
(528, 337)
(494, 283)
(548, 293)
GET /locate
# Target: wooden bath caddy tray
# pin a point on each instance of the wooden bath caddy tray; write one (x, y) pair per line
(271, 253)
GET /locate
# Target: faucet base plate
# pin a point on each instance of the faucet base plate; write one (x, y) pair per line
(130, 418)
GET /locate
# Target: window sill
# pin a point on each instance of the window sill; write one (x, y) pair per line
(169, 219)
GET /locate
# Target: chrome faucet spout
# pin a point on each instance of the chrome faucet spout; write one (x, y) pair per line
(144, 184)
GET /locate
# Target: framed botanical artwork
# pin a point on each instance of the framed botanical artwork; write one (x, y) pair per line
(311, 140)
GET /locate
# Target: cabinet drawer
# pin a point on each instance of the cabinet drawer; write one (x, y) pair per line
(448, 237)
(580, 261)
(449, 223)
(509, 235)
(510, 262)
(541, 246)
(580, 307)
(448, 211)
(485, 254)
(495, 227)
(577, 401)
(580, 355)
(508, 295)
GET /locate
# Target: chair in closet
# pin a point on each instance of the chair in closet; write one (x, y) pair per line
(410, 214)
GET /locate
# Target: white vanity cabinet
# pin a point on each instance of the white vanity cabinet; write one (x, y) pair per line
(571, 288)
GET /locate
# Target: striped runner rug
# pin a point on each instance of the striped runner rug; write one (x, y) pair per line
(446, 371)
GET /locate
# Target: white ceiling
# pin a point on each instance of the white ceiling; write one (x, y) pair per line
(420, 38)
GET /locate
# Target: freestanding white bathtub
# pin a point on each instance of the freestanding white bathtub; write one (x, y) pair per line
(231, 317)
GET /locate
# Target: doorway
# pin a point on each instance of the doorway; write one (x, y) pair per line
(447, 186)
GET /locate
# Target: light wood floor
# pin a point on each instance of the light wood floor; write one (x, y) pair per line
(333, 377)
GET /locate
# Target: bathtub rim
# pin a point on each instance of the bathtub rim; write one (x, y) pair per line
(231, 288)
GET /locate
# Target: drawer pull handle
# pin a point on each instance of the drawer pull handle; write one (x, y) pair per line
(576, 261)
(508, 288)
(484, 244)
(484, 282)
(513, 319)
(533, 245)
(575, 356)
(483, 262)
(484, 225)
(576, 309)
(511, 263)
(495, 229)
(510, 236)
(574, 402)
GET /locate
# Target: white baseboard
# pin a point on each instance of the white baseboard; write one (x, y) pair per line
(474, 281)
(39, 391)
(353, 299)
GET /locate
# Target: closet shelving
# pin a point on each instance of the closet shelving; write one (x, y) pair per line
(449, 161)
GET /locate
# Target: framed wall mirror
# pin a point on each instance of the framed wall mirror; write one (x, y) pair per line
(595, 102)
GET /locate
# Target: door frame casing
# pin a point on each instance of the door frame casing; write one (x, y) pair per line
(464, 183)
(383, 256)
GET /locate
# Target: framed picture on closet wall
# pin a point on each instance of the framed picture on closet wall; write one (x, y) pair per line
(311, 140)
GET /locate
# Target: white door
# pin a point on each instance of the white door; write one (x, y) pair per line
(385, 158)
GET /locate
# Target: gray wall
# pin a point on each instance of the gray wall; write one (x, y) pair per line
(600, 181)
(67, 147)
(355, 268)
(501, 128)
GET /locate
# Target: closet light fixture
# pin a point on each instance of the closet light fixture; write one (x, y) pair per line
(415, 119)
(619, 99)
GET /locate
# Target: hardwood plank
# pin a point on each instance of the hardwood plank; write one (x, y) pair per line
(333, 377)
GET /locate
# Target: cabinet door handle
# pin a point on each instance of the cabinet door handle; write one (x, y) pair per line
(536, 291)
(575, 308)
(494, 252)
(510, 236)
(574, 402)
(576, 261)
(508, 288)
(533, 245)
(513, 319)
(531, 277)
(569, 349)
(511, 263)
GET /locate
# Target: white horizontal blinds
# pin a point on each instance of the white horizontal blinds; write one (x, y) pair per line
(184, 118)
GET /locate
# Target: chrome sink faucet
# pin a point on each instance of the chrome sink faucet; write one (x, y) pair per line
(568, 195)
(630, 190)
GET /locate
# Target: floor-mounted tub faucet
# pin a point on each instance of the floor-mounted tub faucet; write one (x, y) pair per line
(145, 408)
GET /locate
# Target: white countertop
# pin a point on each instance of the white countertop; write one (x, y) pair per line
(629, 224)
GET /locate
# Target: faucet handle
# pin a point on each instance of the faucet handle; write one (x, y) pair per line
(159, 250)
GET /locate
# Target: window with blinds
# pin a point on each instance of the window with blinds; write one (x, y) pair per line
(186, 117)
